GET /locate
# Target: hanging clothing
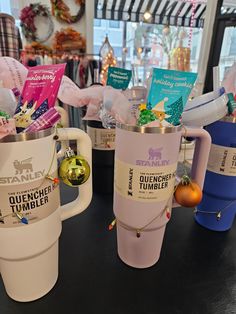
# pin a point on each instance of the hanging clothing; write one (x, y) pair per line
(31, 63)
(39, 60)
(47, 60)
(85, 73)
(81, 75)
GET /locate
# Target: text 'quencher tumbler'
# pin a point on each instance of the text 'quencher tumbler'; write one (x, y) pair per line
(30, 210)
(145, 172)
(218, 206)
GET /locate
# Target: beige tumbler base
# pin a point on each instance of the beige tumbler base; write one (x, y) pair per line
(30, 279)
(139, 252)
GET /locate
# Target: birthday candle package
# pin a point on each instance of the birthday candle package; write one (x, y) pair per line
(169, 93)
(39, 94)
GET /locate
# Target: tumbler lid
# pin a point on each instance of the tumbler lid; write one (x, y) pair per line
(143, 129)
(22, 137)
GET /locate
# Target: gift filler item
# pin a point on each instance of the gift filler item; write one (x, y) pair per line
(136, 95)
(45, 121)
(207, 113)
(7, 101)
(145, 174)
(231, 103)
(204, 99)
(30, 211)
(218, 207)
(118, 78)
(39, 93)
(169, 93)
(7, 126)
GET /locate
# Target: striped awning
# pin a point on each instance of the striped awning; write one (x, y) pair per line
(228, 10)
(228, 7)
(171, 12)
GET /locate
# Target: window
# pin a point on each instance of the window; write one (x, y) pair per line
(96, 49)
(194, 53)
(97, 23)
(114, 24)
(149, 45)
(5, 7)
(118, 51)
(232, 49)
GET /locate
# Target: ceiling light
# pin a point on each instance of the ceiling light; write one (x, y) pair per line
(147, 15)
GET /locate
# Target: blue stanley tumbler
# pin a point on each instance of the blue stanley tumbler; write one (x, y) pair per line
(218, 207)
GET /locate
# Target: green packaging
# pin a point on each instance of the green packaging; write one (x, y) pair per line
(118, 78)
(169, 93)
(231, 103)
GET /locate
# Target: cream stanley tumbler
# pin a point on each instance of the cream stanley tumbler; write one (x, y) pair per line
(29, 252)
(145, 173)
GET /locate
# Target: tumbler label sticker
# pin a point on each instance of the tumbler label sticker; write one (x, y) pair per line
(102, 139)
(34, 200)
(24, 189)
(144, 184)
(222, 160)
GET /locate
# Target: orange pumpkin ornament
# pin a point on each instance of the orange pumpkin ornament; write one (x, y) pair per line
(188, 192)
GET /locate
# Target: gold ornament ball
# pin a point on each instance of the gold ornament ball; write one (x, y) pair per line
(74, 171)
(188, 194)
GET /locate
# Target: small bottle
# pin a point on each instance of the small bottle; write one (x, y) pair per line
(45, 121)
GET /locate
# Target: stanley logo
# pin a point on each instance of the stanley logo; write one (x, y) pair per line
(154, 158)
(20, 166)
(23, 172)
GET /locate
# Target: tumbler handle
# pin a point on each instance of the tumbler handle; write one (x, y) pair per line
(84, 146)
(200, 156)
(201, 153)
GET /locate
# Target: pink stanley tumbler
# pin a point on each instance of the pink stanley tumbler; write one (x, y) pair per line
(145, 174)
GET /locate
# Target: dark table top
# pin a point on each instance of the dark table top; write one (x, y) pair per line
(196, 273)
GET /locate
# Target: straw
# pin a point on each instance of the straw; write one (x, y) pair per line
(216, 78)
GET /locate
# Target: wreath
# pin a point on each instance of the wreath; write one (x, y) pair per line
(27, 21)
(62, 12)
(69, 39)
(36, 46)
